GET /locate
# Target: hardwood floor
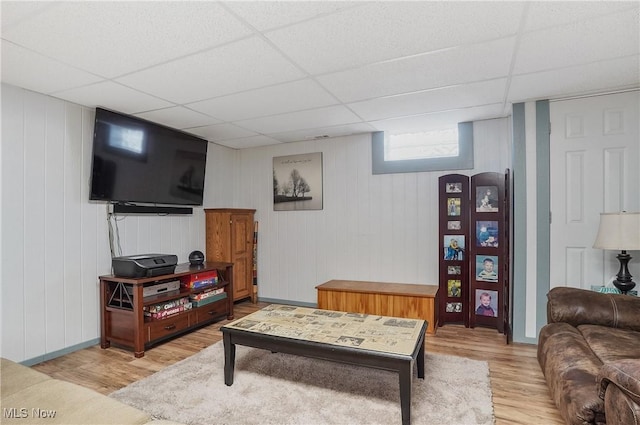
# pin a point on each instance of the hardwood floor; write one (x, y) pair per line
(520, 394)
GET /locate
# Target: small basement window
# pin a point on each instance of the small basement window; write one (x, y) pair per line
(448, 149)
(427, 144)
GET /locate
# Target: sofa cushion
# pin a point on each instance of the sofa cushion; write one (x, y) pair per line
(611, 344)
(580, 306)
(14, 377)
(570, 368)
(67, 403)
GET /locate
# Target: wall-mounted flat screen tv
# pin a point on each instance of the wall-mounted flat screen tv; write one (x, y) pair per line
(138, 161)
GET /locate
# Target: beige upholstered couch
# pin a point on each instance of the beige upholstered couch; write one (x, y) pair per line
(31, 397)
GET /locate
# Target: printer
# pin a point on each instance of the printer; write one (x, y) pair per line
(144, 265)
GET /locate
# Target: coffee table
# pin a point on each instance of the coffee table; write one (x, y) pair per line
(381, 342)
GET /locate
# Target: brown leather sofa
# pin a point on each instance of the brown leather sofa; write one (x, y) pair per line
(589, 352)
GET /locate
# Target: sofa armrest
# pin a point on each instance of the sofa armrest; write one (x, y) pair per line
(619, 387)
(625, 374)
(582, 307)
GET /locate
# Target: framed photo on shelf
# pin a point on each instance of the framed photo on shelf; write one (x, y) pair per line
(487, 199)
(454, 270)
(454, 225)
(486, 303)
(453, 207)
(454, 247)
(454, 288)
(487, 268)
(487, 234)
(453, 308)
(454, 188)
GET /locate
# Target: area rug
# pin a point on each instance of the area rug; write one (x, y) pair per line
(276, 388)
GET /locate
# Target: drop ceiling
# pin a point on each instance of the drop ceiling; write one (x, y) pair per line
(247, 74)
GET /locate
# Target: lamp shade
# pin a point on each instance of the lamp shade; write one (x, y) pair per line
(619, 231)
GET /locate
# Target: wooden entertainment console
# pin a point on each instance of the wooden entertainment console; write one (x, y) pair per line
(122, 303)
(382, 298)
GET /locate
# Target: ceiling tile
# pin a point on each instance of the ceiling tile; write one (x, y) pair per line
(583, 79)
(319, 134)
(249, 142)
(238, 66)
(384, 30)
(315, 118)
(113, 38)
(438, 120)
(112, 96)
(23, 68)
(547, 14)
(460, 96)
(580, 43)
(14, 12)
(178, 117)
(265, 15)
(421, 72)
(219, 132)
(288, 97)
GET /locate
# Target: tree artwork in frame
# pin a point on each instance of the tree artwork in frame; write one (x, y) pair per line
(297, 182)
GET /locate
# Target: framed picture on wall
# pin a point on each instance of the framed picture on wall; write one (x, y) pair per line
(297, 182)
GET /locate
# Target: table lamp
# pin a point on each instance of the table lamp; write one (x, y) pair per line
(620, 231)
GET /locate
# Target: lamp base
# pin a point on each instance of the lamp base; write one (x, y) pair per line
(624, 282)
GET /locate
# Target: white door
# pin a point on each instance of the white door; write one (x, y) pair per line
(595, 158)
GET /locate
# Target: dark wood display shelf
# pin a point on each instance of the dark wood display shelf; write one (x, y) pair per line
(122, 307)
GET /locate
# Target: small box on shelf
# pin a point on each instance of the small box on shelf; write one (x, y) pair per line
(157, 308)
(199, 280)
(164, 314)
(209, 300)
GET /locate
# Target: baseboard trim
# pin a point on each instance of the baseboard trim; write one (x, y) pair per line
(60, 353)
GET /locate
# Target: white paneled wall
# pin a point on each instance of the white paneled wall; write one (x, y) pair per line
(55, 241)
(372, 227)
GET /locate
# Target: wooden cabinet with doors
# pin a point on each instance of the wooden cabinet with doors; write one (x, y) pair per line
(230, 239)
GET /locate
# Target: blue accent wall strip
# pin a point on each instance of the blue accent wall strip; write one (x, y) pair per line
(60, 353)
(520, 223)
(543, 209)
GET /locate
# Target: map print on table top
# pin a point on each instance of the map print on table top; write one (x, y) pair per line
(365, 331)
